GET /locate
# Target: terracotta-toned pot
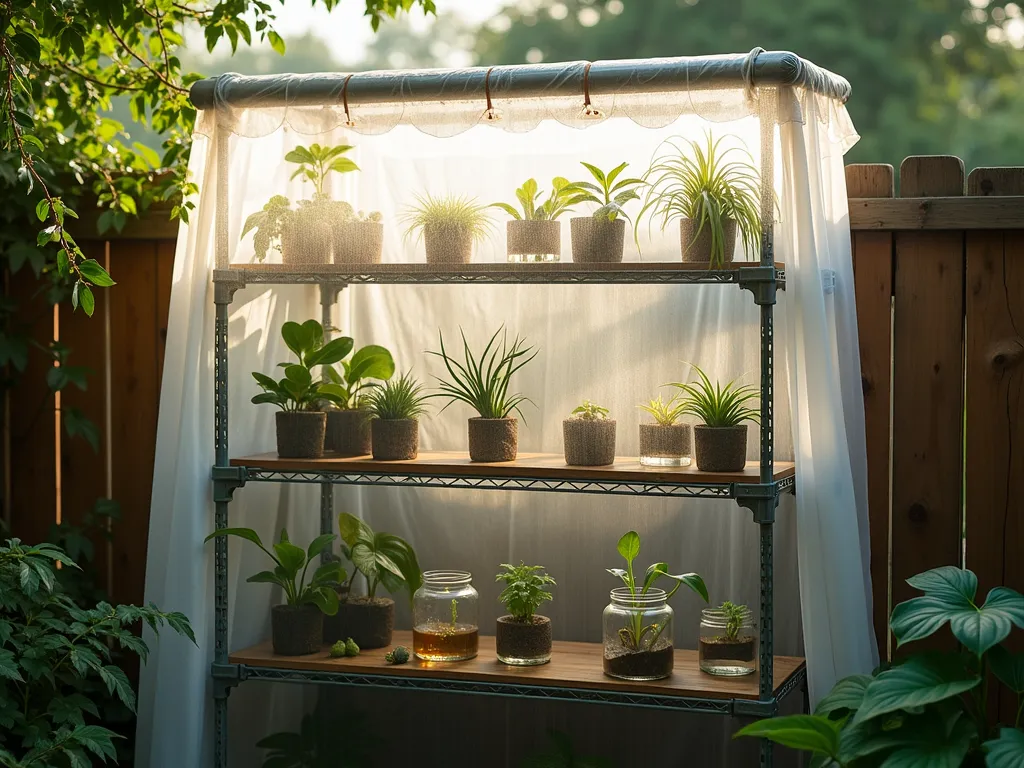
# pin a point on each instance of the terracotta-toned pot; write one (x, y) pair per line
(534, 238)
(358, 242)
(597, 240)
(296, 630)
(448, 245)
(493, 439)
(720, 449)
(699, 249)
(300, 434)
(348, 432)
(395, 439)
(589, 442)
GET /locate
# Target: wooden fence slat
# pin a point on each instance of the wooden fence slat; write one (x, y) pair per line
(927, 385)
(872, 266)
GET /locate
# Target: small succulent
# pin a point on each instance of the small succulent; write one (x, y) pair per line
(351, 649)
(398, 656)
(589, 411)
(342, 648)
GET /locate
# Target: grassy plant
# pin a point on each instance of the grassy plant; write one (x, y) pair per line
(316, 162)
(610, 195)
(483, 383)
(718, 406)
(524, 589)
(563, 196)
(396, 399)
(709, 184)
(447, 214)
(665, 414)
(588, 411)
(298, 391)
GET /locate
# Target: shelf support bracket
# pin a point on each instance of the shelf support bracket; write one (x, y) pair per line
(763, 282)
(225, 285)
(225, 481)
(760, 498)
(226, 677)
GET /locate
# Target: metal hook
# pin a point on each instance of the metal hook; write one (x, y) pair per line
(589, 110)
(491, 115)
(349, 122)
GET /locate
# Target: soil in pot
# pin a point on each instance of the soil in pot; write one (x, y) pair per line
(589, 443)
(395, 439)
(296, 630)
(523, 644)
(652, 664)
(597, 240)
(300, 434)
(665, 445)
(699, 249)
(358, 242)
(533, 240)
(306, 243)
(368, 621)
(448, 245)
(721, 656)
(493, 439)
(720, 449)
(348, 432)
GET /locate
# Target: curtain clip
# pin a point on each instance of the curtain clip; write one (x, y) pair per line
(349, 122)
(589, 112)
(491, 115)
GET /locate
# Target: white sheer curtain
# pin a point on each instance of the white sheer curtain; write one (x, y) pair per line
(611, 344)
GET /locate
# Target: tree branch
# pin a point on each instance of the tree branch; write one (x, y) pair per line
(159, 75)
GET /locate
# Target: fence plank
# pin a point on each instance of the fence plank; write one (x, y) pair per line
(872, 266)
(927, 385)
(995, 402)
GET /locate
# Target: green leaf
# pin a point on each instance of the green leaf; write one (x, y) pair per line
(371, 362)
(85, 299)
(1007, 751)
(299, 374)
(1008, 667)
(26, 44)
(325, 598)
(847, 694)
(331, 352)
(28, 579)
(291, 557)
(276, 42)
(352, 529)
(95, 274)
(941, 750)
(43, 209)
(295, 337)
(96, 739)
(300, 155)
(319, 544)
(923, 679)
(117, 684)
(810, 733)
(9, 666)
(266, 577)
(629, 545)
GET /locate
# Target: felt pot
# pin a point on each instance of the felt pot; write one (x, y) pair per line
(348, 432)
(395, 439)
(665, 445)
(523, 643)
(534, 240)
(493, 439)
(448, 245)
(698, 247)
(306, 243)
(368, 622)
(720, 449)
(300, 434)
(358, 242)
(589, 442)
(296, 630)
(597, 240)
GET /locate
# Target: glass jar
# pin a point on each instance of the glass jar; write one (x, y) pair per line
(444, 617)
(638, 635)
(665, 445)
(728, 642)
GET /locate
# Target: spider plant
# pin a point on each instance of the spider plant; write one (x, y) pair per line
(482, 383)
(709, 184)
(447, 213)
(397, 399)
(665, 414)
(563, 196)
(717, 405)
(608, 194)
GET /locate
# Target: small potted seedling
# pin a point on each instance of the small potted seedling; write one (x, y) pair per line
(395, 407)
(535, 234)
(270, 224)
(300, 424)
(665, 443)
(384, 560)
(524, 637)
(296, 626)
(358, 236)
(728, 640)
(721, 441)
(600, 237)
(712, 191)
(638, 621)
(589, 436)
(450, 225)
(483, 385)
(309, 238)
(348, 424)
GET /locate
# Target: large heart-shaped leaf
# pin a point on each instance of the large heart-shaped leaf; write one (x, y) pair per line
(1007, 751)
(294, 336)
(299, 374)
(324, 598)
(330, 573)
(807, 732)
(371, 362)
(330, 353)
(944, 752)
(1008, 667)
(847, 694)
(291, 557)
(352, 529)
(922, 680)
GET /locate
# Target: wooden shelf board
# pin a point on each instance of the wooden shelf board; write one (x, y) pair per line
(572, 665)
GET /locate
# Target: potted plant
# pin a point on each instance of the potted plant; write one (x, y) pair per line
(306, 239)
(449, 226)
(665, 443)
(348, 424)
(710, 193)
(269, 224)
(638, 622)
(589, 436)
(358, 236)
(599, 238)
(394, 407)
(296, 626)
(300, 425)
(524, 638)
(535, 234)
(728, 641)
(721, 441)
(483, 385)
(384, 560)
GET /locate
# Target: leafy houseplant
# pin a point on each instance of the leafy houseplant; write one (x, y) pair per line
(930, 708)
(588, 436)
(395, 407)
(721, 441)
(599, 238)
(316, 162)
(269, 223)
(296, 626)
(483, 385)
(524, 637)
(637, 633)
(449, 225)
(665, 443)
(728, 643)
(535, 234)
(300, 426)
(348, 425)
(384, 560)
(711, 190)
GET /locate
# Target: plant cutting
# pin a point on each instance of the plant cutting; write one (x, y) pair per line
(384, 560)
(930, 708)
(450, 225)
(665, 443)
(524, 637)
(483, 385)
(316, 162)
(445, 617)
(600, 237)
(534, 234)
(728, 641)
(348, 425)
(637, 623)
(711, 190)
(296, 625)
(721, 441)
(588, 436)
(300, 425)
(395, 407)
